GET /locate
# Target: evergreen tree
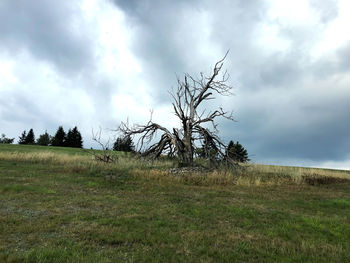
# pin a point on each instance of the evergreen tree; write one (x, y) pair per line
(74, 139)
(44, 139)
(30, 139)
(59, 138)
(118, 144)
(207, 152)
(77, 138)
(69, 141)
(237, 152)
(124, 144)
(22, 138)
(4, 139)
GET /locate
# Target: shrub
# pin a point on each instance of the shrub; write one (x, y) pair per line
(4, 139)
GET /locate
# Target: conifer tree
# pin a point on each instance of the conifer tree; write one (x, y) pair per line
(44, 139)
(22, 138)
(30, 138)
(237, 152)
(124, 144)
(118, 144)
(69, 141)
(77, 138)
(59, 138)
(73, 138)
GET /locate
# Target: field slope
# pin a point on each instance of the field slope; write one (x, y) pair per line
(58, 205)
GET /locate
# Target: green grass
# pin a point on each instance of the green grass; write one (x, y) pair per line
(58, 205)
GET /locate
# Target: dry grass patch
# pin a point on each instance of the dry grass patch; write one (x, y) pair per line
(246, 175)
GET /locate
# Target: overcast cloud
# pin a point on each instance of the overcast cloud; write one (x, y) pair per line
(94, 63)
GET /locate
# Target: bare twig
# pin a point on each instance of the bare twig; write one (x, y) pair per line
(105, 154)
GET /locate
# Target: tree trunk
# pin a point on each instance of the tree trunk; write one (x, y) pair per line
(187, 155)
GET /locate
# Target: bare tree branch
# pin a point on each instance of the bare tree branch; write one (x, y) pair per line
(188, 96)
(105, 154)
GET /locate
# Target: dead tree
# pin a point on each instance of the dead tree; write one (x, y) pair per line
(104, 155)
(189, 95)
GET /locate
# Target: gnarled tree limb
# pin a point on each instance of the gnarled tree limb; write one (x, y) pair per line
(187, 98)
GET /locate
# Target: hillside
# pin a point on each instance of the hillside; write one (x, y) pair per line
(59, 205)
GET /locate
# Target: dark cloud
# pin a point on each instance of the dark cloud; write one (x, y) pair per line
(343, 58)
(165, 45)
(328, 140)
(278, 69)
(171, 35)
(48, 30)
(308, 125)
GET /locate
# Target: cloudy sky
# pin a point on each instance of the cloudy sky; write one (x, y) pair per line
(93, 63)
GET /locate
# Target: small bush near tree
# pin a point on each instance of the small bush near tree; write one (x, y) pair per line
(4, 139)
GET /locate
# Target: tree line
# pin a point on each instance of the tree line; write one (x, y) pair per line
(72, 138)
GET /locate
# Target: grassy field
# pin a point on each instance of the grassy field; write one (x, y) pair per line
(59, 205)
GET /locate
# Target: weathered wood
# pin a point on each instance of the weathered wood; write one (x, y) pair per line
(187, 98)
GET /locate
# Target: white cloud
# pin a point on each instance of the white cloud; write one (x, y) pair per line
(296, 12)
(6, 73)
(335, 34)
(342, 165)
